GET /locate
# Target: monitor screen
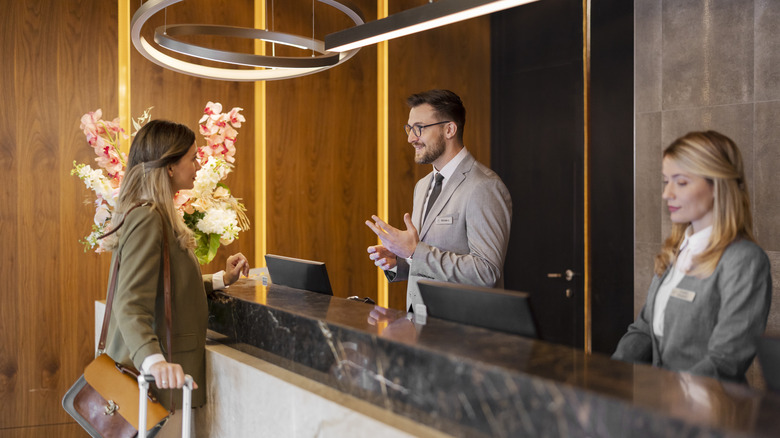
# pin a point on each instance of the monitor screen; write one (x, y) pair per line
(494, 309)
(298, 273)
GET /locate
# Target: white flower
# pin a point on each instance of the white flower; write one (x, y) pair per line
(98, 183)
(218, 221)
(207, 178)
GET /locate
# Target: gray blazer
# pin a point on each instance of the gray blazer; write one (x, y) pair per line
(715, 334)
(465, 236)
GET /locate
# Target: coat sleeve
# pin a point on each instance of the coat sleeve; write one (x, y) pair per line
(401, 272)
(637, 344)
(208, 284)
(488, 219)
(137, 284)
(745, 289)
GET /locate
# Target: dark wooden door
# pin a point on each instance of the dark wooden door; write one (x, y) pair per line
(537, 132)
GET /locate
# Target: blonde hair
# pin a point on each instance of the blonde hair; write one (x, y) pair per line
(716, 158)
(158, 144)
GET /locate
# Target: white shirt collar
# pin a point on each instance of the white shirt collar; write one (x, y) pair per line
(450, 167)
(692, 245)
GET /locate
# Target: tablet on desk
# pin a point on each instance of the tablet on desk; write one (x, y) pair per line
(494, 309)
(298, 273)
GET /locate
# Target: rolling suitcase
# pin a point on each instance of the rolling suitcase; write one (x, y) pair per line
(186, 409)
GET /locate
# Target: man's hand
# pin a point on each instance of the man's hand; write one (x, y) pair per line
(382, 257)
(401, 243)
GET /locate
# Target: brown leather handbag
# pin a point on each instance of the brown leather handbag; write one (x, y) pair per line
(104, 401)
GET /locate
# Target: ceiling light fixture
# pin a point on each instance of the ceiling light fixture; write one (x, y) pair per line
(414, 20)
(272, 67)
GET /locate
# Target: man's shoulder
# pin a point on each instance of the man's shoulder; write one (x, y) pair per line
(483, 175)
(483, 171)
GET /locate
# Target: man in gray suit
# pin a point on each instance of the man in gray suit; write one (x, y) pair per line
(462, 209)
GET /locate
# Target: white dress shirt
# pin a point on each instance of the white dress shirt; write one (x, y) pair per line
(692, 245)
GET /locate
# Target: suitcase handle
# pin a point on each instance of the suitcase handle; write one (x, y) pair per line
(143, 383)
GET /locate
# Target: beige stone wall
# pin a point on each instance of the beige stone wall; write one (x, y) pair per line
(707, 64)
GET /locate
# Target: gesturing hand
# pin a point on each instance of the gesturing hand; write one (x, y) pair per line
(400, 242)
(382, 257)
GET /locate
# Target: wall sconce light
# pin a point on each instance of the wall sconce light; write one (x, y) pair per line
(414, 20)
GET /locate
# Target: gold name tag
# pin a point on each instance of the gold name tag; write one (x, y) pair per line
(443, 221)
(683, 294)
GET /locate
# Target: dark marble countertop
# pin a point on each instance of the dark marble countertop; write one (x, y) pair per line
(468, 381)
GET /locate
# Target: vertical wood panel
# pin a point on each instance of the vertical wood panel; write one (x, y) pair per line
(322, 156)
(10, 384)
(57, 66)
(455, 57)
(38, 211)
(88, 52)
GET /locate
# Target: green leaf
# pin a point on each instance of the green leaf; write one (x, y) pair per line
(192, 219)
(208, 244)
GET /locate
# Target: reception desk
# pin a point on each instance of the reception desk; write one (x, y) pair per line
(458, 380)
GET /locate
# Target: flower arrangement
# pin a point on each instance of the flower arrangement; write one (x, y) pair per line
(209, 209)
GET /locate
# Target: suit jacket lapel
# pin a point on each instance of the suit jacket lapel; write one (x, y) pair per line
(449, 189)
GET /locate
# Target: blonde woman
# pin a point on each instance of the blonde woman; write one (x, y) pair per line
(709, 299)
(162, 161)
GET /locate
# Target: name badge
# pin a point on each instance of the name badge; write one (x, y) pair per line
(443, 221)
(683, 294)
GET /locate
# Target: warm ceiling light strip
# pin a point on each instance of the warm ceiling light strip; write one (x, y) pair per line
(414, 20)
(270, 69)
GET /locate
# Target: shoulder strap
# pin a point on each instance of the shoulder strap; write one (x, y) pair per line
(115, 275)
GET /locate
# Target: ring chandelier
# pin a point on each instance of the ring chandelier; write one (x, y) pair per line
(275, 67)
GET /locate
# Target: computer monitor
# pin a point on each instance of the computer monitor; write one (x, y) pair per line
(299, 274)
(769, 359)
(494, 309)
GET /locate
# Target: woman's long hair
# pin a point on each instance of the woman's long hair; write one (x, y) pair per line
(716, 158)
(158, 144)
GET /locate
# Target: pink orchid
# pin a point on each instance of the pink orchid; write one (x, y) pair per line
(89, 122)
(213, 108)
(235, 117)
(181, 197)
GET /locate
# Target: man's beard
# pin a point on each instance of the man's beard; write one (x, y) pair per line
(431, 152)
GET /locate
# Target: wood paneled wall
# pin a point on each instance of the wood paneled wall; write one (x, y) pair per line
(321, 161)
(55, 69)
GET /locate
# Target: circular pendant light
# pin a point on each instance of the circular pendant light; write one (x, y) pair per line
(272, 67)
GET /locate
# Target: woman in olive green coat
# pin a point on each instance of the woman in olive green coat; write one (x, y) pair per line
(162, 161)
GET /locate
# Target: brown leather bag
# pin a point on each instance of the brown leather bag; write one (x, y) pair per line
(104, 401)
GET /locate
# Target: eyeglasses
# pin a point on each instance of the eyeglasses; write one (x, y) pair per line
(417, 129)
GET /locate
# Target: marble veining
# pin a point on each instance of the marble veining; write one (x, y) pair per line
(468, 381)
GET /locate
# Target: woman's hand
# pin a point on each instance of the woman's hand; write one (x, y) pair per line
(168, 375)
(236, 265)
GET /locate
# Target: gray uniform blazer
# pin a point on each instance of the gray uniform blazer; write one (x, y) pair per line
(137, 328)
(716, 333)
(465, 236)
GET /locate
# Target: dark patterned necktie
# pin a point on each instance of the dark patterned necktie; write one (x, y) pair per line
(434, 194)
